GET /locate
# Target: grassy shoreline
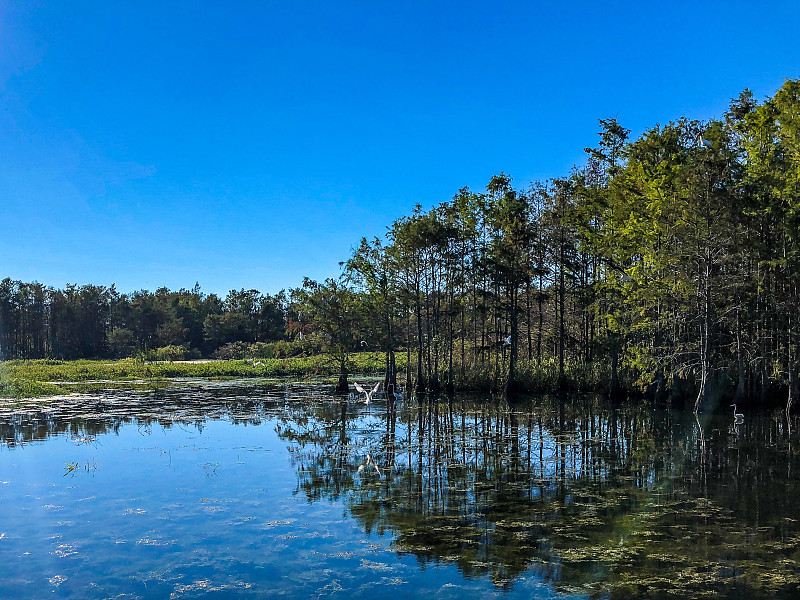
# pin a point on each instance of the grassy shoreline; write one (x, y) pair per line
(42, 378)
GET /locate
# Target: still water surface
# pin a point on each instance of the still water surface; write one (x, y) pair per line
(232, 490)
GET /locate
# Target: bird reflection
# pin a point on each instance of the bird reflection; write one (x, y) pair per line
(369, 462)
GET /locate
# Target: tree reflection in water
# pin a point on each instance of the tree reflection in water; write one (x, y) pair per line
(626, 502)
(620, 503)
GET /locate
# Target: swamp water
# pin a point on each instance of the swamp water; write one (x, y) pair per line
(236, 490)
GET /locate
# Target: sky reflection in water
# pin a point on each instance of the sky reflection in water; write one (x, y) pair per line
(230, 490)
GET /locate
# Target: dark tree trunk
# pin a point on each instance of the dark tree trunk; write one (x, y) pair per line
(740, 388)
(512, 386)
(343, 386)
(420, 350)
(562, 380)
(613, 388)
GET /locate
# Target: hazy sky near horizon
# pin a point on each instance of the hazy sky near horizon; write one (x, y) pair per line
(249, 144)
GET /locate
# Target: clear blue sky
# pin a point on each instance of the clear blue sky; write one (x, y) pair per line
(246, 145)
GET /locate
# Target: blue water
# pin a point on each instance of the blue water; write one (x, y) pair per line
(201, 507)
(241, 490)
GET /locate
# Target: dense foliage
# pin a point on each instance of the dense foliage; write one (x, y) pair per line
(92, 321)
(666, 263)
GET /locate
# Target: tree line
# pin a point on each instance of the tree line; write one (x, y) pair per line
(666, 264)
(91, 321)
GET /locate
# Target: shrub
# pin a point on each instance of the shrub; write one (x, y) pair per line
(283, 349)
(279, 349)
(169, 353)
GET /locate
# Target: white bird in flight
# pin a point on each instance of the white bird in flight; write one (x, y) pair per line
(367, 394)
(507, 342)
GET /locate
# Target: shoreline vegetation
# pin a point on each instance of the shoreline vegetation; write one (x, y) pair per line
(46, 377)
(43, 378)
(40, 378)
(667, 266)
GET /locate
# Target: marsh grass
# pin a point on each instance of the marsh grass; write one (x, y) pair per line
(541, 377)
(38, 378)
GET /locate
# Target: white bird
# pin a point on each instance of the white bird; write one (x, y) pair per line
(738, 417)
(705, 142)
(507, 342)
(301, 336)
(258, 364)
(367, 394)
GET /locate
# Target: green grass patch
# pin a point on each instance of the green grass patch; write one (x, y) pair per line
(38, 378)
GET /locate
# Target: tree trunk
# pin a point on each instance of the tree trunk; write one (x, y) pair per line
(613, 388)
(511, 380)
(528, 320)
(540, 301)
(420, 350)
(343, 386)
(740, 388)
(562, 381)
(792, 370)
